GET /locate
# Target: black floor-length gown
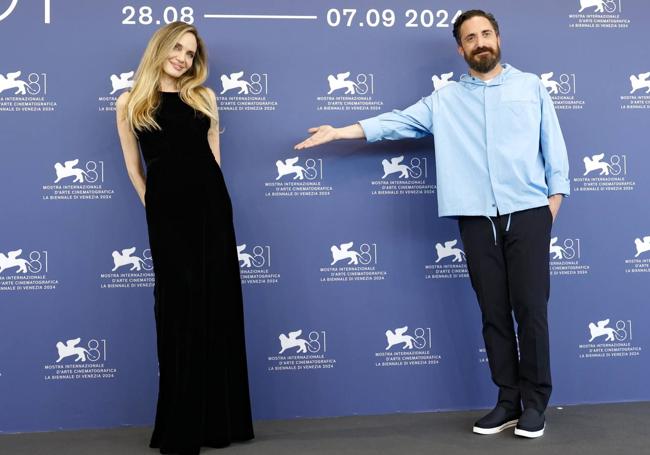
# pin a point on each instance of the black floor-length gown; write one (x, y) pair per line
(203, 397)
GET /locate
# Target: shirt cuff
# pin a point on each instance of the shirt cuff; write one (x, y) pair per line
(372, 129)
(559, 185)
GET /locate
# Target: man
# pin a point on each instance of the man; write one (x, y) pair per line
(502, 170)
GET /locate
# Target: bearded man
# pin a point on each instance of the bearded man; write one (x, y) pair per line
(502, 171)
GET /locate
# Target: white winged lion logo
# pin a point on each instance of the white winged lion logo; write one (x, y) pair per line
(12, 81)
(67, 169)
(70, 348)
(232, 82)
(642, 245)
(12, 260)
(123, 258)
(343, 252)
(593, 163)
(442, 81)
(600, 329)
(393, 166)
(292, 341)
(399, 336)
(121, 82)
(640, 82)
(288, 167)
(556, 250)
(447, 250)
(339, 82)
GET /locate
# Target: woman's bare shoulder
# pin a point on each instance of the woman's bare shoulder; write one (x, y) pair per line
(122, 100)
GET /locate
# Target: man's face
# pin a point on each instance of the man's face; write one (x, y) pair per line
(479, 44)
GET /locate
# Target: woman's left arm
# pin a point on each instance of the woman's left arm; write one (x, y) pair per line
(213, 132)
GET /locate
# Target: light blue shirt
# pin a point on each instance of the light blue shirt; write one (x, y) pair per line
(498, 145)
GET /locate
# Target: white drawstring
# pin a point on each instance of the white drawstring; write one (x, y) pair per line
(494, 229)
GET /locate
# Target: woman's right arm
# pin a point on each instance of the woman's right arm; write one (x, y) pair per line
(130, 147)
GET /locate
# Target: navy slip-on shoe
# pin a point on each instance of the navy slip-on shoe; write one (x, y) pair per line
(496, 421)
(531, 424)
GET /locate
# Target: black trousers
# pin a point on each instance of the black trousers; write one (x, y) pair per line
(507, 258)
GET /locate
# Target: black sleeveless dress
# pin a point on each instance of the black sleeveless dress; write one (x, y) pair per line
(203, 397)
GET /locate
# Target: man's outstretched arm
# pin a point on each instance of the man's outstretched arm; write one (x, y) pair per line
(327, 133)
(413, 122)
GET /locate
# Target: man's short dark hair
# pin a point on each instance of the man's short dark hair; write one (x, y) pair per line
(470, 14)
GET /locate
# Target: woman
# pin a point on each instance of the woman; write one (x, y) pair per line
(203, 397)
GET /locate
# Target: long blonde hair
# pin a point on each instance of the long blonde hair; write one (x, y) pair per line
(145, 97)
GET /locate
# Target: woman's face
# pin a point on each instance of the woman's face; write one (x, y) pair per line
(181, 57)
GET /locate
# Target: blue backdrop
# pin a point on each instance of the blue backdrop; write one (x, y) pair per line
(357, 299)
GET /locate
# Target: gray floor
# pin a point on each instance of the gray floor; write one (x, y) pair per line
(585, 430)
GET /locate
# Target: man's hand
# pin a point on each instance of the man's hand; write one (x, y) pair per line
(554, 203)
(326, 133)
(319, 135)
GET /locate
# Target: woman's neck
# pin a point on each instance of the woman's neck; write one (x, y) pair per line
(168, 83)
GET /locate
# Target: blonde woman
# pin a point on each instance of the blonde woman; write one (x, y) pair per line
(171, 118)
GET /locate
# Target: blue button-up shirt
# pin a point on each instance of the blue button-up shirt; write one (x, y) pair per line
(498, 145)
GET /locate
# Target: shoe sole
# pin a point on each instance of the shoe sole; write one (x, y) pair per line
(495, 430)
(529, 434)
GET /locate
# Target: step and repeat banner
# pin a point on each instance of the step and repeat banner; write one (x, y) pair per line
(357, 296)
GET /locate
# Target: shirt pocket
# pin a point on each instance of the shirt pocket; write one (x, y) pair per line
(518, 114)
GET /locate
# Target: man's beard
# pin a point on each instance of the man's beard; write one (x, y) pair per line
(484, 63)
